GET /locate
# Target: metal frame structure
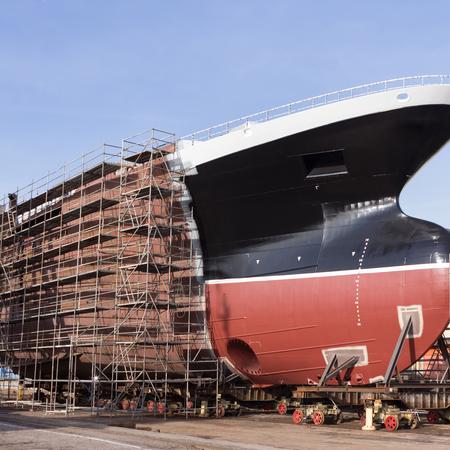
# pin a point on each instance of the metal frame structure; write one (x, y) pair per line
(98, 281)
(433, 367)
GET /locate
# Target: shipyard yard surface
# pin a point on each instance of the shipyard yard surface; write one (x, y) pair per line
(24, 430)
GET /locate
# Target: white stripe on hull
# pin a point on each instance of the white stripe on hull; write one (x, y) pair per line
(335, 273)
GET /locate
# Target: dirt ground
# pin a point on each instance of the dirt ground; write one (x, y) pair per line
(21, 429)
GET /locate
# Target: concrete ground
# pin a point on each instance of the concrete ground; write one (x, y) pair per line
(34, 430)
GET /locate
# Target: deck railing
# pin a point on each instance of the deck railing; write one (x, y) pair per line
(319, 100)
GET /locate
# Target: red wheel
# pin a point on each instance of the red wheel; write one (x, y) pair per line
(432, 417)
(318, 418)
(160, 407)
(391, 423)
(282, 408)
(150, 406)
(297, 417)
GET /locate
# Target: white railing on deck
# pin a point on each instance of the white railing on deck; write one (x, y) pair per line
(320, 100)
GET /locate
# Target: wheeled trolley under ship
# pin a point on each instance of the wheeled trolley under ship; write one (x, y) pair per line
(307, 257)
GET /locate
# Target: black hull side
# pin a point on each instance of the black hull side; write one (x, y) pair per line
(260, 213)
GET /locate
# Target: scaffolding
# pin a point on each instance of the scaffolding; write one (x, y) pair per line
(433, 367)
(100, 299)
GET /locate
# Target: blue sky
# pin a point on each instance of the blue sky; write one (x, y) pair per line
(75, 74)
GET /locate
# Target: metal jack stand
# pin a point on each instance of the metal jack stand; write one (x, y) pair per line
(333, 368)
(368, 407)
(407, 327)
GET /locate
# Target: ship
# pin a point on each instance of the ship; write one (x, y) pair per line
(307, 252)
(303, 258)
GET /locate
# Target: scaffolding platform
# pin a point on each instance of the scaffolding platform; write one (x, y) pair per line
(154, 230)
(61, 313)
(60, 250)
(145, 156)
(58, 282)
(97, 262)
(159, 304)
(151, 192)
(153, 267)
(85, 177)
(48, 220)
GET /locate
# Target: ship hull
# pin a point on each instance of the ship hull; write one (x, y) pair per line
(282, 329)
(307, 251)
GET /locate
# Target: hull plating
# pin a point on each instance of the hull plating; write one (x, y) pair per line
(282, 329)
(289, 218)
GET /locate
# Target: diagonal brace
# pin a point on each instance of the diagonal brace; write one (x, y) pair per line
(345, 365)
(407, 327)
(330, 366)
(333, 368)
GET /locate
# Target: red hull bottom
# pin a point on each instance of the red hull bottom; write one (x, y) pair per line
(284, 329)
